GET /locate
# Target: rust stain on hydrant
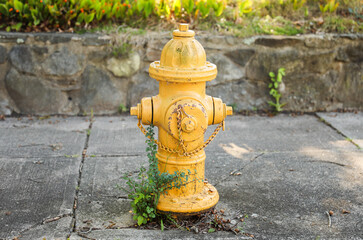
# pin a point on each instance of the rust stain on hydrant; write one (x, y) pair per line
(182, 112)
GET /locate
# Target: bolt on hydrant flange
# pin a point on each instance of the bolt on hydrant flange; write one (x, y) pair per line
(182, 112)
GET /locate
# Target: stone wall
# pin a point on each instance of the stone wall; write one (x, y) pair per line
(43, 73)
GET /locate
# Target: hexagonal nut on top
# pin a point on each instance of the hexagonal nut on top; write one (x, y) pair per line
(183, 27)
(183, 31)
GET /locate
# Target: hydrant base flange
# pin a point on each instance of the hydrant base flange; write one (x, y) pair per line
(190, 205)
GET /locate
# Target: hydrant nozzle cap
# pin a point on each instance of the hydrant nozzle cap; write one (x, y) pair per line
(134, 111)
(229, 110)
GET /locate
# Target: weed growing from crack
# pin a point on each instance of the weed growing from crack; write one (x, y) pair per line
(146, 189)
(122, 50)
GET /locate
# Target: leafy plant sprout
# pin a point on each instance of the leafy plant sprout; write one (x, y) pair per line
(274, 89)
(146, 189)
(330, 6)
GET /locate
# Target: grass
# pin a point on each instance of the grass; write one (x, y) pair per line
(339, 24)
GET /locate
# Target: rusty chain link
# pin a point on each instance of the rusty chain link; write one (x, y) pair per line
(184, 151)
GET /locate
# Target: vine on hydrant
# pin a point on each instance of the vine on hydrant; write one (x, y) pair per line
(182, 112)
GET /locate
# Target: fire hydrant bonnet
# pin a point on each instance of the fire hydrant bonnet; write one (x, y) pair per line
(183, 59)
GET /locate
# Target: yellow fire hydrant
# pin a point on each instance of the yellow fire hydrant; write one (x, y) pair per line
(182, 112)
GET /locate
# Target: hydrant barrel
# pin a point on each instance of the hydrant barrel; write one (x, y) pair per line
(182, 112)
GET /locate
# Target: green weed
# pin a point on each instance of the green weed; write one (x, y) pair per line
(341, 25)
(274, 89)
(122, 50)
(122, 108)
(146, 189)
(330, 6)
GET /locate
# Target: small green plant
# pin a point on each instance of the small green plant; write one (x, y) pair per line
(92, 116)
(274, 89)
(330, 5)
(297, 4)
(240, 228)
(122, 108)
(234, 107)
(275, 26)
(244, 7)
(122, 50)
(339, 24)
(146, 189)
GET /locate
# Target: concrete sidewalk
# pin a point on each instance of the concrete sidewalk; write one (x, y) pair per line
(58, 177)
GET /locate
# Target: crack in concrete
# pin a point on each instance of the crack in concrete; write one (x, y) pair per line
(43, 222)
(75, 203)
(85, 236)
(27, 229)
(240, 169)
(119, 155)
(35, 157)
(56, 218)
(118, 197)
(339, 164)
(337, 130)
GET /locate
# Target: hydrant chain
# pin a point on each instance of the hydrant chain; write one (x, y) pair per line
(179, 119)
(183, 152)
(160, 145)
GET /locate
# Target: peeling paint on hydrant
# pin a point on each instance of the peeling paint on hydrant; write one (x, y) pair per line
(182, 112)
